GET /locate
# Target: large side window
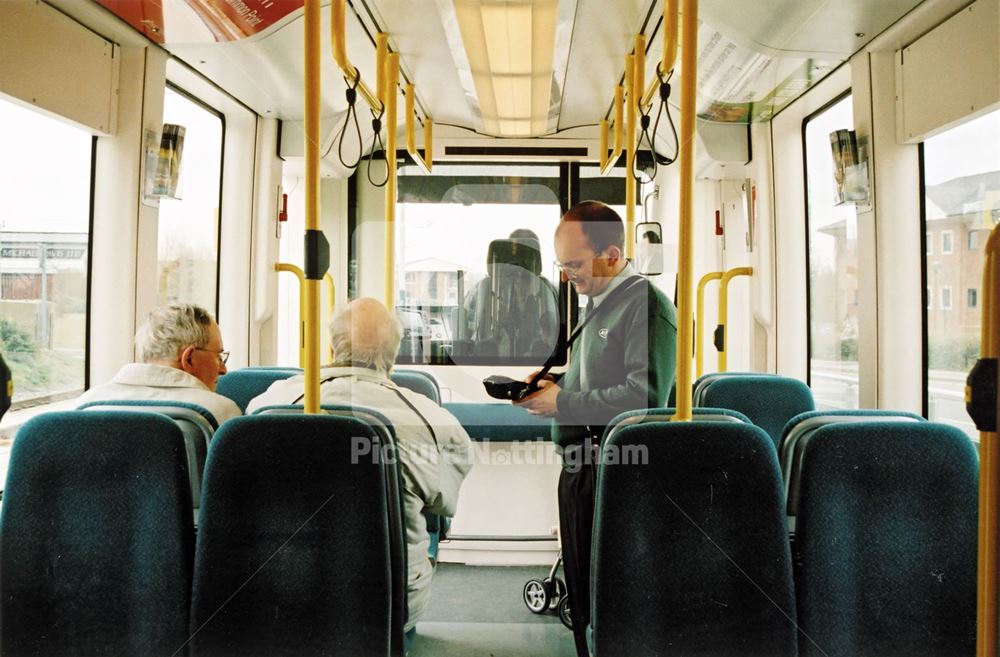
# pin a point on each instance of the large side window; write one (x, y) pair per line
(188, 243)
(45, 181)
(962, 204)
(832, 227)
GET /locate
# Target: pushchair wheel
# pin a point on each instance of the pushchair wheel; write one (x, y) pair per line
(563, 610)
(536, 596)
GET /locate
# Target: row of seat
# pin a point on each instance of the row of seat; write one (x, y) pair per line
(98, 552)
(691, 556)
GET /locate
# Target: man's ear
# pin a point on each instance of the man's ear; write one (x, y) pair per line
(185, 359)
(613, 254)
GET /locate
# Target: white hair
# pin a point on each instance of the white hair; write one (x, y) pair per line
(169, 329)
(379, 355)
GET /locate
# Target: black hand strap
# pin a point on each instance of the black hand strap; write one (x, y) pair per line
(629, 283)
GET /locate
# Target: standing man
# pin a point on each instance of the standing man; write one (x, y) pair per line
(624, 359)
(182, 356)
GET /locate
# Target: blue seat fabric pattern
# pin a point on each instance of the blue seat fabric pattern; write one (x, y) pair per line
(886, 542)
(769, 401)
(293, 554)
(690, 551)
(96, 536)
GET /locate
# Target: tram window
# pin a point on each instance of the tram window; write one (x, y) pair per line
(962, 197)
(833, 267)
(188, 242)
(45, 183)
(485, 302)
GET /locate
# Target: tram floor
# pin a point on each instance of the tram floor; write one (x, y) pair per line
(479, 611)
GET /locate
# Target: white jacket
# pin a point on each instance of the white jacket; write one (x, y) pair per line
(432, 470)
(158, 382)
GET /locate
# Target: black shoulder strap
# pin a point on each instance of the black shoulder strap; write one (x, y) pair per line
(303, 395)
(626, 285)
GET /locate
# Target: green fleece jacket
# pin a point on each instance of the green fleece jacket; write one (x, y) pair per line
(629, 348)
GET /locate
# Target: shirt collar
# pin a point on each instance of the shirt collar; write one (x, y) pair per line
(620, 278)
(358, 372)
(145, 374)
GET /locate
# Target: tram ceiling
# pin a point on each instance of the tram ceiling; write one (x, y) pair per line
(755, 56)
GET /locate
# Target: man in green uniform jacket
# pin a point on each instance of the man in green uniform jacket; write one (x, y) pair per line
(624, 359)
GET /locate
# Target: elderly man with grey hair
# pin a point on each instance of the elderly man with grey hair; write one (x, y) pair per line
(434, 449)
(181, 354)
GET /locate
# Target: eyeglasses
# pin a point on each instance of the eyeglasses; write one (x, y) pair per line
(223, 356)
(573, 267)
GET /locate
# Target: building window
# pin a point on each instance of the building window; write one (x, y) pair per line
(946, 297)
(45, 181)
(973, 240)
(947, 241)
(930, 299)
(930, 243)
(973, 297)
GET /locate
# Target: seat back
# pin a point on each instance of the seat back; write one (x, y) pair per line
(244, 384)
(194, 424)
(499, 422)
(665, 413)
(516, 309)
(293, 553)
(690, 555)
(418, 381)
(394, 502)
(768, 400)
(887, 540)
(96, 538)
(802, 425)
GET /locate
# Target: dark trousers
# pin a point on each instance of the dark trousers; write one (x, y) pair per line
(576, 526)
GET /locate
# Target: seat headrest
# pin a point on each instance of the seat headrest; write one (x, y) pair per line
(522, 252)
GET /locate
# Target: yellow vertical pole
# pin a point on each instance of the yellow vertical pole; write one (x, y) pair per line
(699, 324)
(989, 465)
(311, 287)
(685, 273)
(630, 106)
(391, 84)
(724, 308)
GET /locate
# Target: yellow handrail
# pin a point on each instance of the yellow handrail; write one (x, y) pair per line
(699, 321)
(283, 266)
(607, 164)
(724, 308)
(310, 287)
(630, 110)
(685, 249)
(337, 38)
(989, 464)
(666, 63)
(424, 162)
(331, 300)
(391, 83)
